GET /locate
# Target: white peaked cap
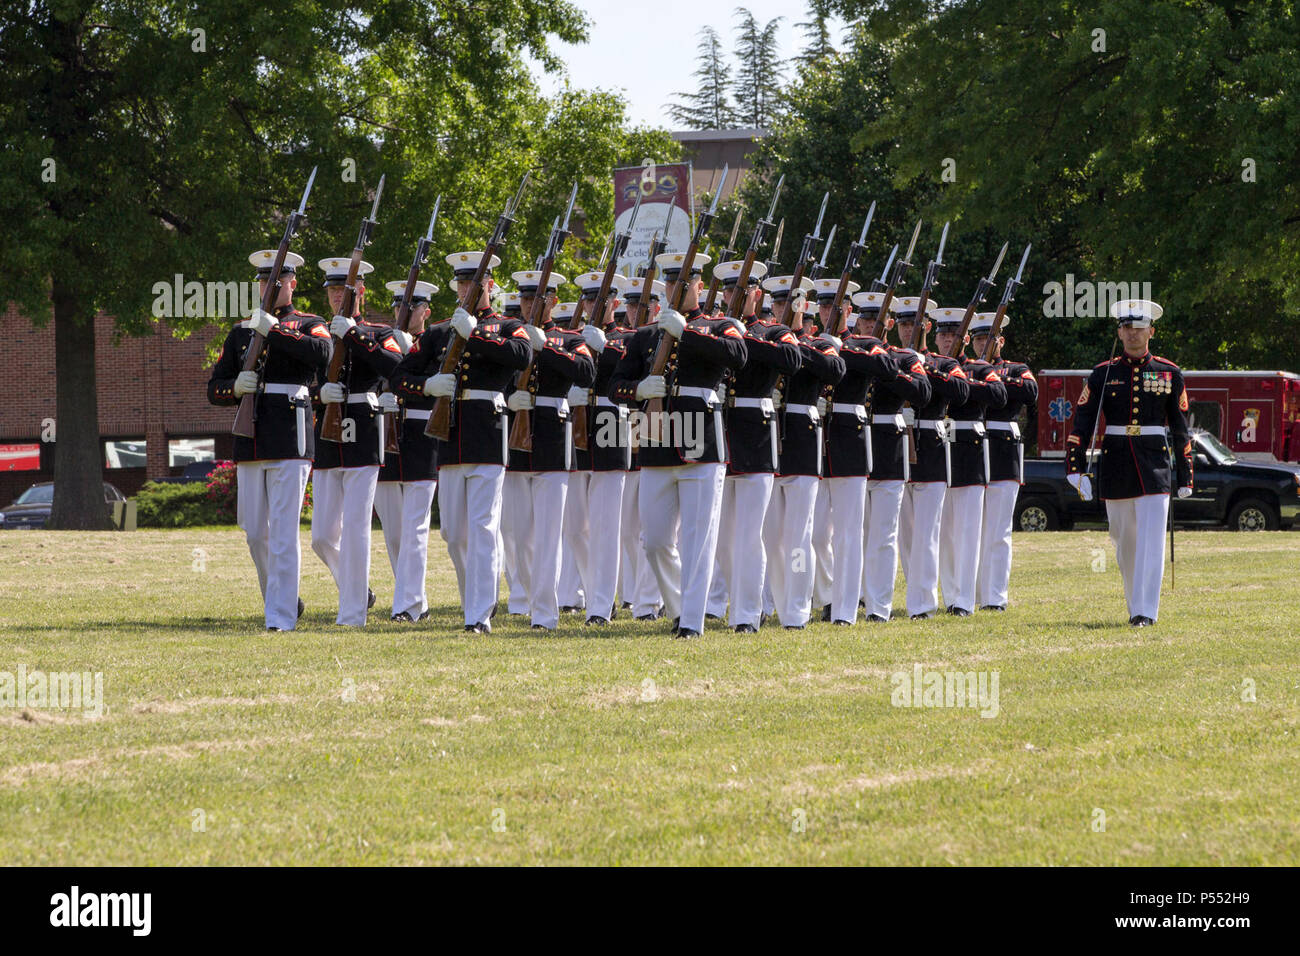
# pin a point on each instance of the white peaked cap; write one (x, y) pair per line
(1139, 313)
(339, 265)
(983, 322)
(530, 278)
(468, 261)
(826, 288)
(563, 310)
(422, 289)
(872, 300)
(780, 285)
(265, 258)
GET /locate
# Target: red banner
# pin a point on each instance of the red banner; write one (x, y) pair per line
(662, 187)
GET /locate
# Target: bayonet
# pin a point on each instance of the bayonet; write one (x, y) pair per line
(943, 241)
(713, 206)
(771, 210)
(302, 206)
(776, 243)
(735, 231)
(428, 236)
(568, 211)
(830, 240)
(888, 262)
(997, 265)
(817, 231)
(911, 246)
(1021, 270)
(379, 191)
(871, 214)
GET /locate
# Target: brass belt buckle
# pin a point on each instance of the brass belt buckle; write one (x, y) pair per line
(1133, 430)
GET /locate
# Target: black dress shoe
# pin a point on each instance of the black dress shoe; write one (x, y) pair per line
(877, 619)
(301, 607)
(401, 616)
(597, 621)
(958, 611)
(745, 629)
(422, 616)
(569, 608)
(647, 617)
(840, 623)
(686, 633)
(713, 617)
(626, 605)
(1139, 620)
(795, 627)
(677, 623)
(993, 607)
(826, 613)
(270, 629)
(923, 616)
(477, 629)
(542, 627)
(370, 599)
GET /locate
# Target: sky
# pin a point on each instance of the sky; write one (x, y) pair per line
(621, 37)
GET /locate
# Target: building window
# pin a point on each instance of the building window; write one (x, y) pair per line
(124, 453)
(183, 451)
(20, 457)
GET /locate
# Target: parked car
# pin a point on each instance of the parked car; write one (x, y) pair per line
(194, 471)
(1241, 495)
(31, 509)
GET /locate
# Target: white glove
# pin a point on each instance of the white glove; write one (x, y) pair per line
(1081, 484)
(463, 323)
(652, 386)
(403, 340)
(821, 407)
(339, 326)
(827, 337)
(672, 322)
(442, 385)
(594, 338)
(577, 396)
(1185, 492)
(536, 337)
(245, 383)
(776, 396)
(332, 393)
(388, 403)
(519, 401)
(262, 322)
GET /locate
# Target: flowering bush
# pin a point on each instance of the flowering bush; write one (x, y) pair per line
(223, 491)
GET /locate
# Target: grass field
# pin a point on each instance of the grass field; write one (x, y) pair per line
(403, 744)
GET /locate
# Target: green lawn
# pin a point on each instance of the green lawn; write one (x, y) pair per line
(417, 744)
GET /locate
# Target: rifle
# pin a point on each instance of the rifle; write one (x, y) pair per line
(521, 432)
(440, 418)
(985, 283)
(392, 441)
(746, 267)
(246, 417)
(807, 251)
(1008, 294)
(850, 263)
(887, 286)
(614, 252)
(331, 428)
(727, 252)
(678, 296)
(931, 279)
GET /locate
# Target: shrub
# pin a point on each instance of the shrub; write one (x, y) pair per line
(167, 505)
(223, 492)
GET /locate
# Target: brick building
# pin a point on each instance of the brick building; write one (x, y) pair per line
(151, 391)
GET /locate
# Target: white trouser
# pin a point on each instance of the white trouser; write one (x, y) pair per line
(689, 496)
(576, 557)
(517, 538)
(823, 558)
(880, 552)
(469, 506)
(269, 506)
(959, 545)
(388, 507)
(405, 516)
(788, 540)
(1137, 527)
(605, 502)
(718, 596)
(994, 576)
(637, 579)
(919, 522)
(741, 554)
(340, 534)
(547, 493)
(848, 508)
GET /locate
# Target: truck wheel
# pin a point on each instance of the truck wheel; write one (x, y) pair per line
(1037, 514)
(1253, 514)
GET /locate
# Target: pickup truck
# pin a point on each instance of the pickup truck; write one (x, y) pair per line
(1241, 495)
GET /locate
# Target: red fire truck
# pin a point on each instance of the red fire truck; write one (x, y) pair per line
(1253, 413)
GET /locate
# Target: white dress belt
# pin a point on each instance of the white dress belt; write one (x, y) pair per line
(603, 402)
(1012, 427)
(1134, 430)
(558, 402)
(809, 410)
(480, 395)
(284, 388)
(896, 420)
(976, 427)
(708, 395)
(419, 414)
(764, 403)
(364, 398)
(845, 408)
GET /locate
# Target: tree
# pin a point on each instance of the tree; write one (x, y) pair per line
(145, 139)
(710, 106)
(817, 32)
(760, 73)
